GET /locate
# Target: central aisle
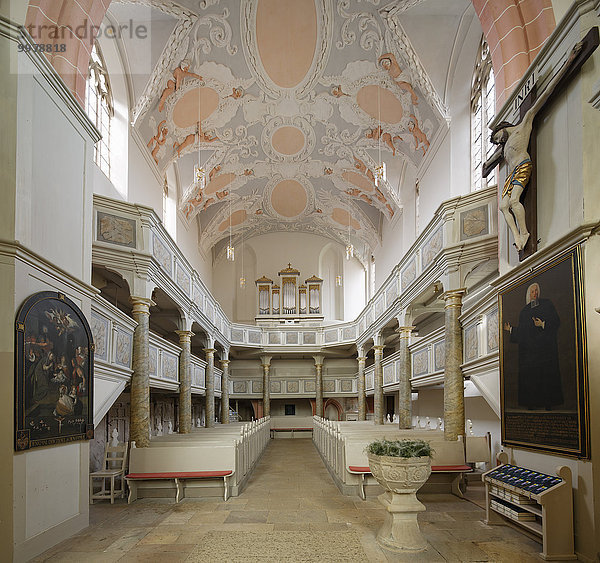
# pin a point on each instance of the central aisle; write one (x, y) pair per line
(290, 511)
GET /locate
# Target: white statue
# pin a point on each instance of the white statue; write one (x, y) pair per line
(115, 438)
(470, 427)
(159, 428)
(440, 423)
(427, 423)
(198, 422)
(169, 427)
(389, 418)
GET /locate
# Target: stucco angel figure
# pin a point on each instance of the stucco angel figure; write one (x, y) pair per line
(514, 140)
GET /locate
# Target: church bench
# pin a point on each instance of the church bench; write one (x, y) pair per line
(291, 424)
(180, 463)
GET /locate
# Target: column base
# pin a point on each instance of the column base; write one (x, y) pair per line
(400, 531)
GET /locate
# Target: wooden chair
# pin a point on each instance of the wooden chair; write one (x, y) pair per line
(113, 467)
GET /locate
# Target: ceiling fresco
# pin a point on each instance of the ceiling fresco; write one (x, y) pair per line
(289, 105)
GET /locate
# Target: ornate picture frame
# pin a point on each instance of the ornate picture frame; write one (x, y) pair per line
(543, 361)
(54, 372)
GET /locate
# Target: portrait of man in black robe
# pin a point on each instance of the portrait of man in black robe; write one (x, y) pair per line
(539, 379)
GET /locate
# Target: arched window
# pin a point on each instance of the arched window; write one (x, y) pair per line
(483, 109)
(100, 106)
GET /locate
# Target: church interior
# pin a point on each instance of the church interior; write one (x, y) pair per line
(241, 240)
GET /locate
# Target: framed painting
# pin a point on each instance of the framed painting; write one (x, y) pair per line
(543, 364)
(54, 362)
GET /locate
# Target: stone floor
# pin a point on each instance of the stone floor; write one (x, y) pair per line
(289, 511)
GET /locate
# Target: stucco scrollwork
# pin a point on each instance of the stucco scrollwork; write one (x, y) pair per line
(371, 35)
(219, 34)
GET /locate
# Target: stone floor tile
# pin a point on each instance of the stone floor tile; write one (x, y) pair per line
(460, 551)
(79, 556)
(247, 517)
(159, 537)
(215, 517)
(505, 551)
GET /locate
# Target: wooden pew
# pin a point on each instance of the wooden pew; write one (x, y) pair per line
(179, 463)
(291, 424)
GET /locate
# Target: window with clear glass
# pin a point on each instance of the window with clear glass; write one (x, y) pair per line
(483, 109)
(99, 108)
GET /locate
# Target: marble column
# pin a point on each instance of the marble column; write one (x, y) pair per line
(210, 387)
(185, 381)
(454, 394)
(404, 389)
(266, 389)
(139, 429)
(225, 392)
(319, 389)
(378, 391)
(362, 406)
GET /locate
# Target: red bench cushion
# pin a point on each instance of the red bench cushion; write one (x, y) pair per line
(437, 468)
(179, 475)
(358, 469)
(449, 468)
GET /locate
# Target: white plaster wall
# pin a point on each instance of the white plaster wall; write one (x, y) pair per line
(458, 98)
(143, 185)
(47, 471)
(54, 220)
(354, 289)
(52, 205)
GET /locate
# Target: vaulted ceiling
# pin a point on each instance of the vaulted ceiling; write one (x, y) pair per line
(289, 105)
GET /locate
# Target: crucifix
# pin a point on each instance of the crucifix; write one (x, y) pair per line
(514, 147)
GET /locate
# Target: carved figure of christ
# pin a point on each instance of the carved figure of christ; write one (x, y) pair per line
(513, 141)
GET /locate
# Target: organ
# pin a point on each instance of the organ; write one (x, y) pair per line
(291, 301)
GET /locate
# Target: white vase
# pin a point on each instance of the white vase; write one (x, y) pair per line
(401, 477)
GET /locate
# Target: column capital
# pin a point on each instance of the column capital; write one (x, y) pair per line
(209, 351)
(379, 347)
(362, 358)
(141, 305)
(405, 331)
(265, 360)
(319, 359)
(225, 363)
(453, 297)
(184, 335)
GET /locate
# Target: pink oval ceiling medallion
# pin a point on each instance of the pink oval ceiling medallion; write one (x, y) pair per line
(286, 35)
(237, 218)
(342, 217)
(358, 180)
(289, 198)
(195, 105)
(288, 140)
(218, 183)
(377, 101)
